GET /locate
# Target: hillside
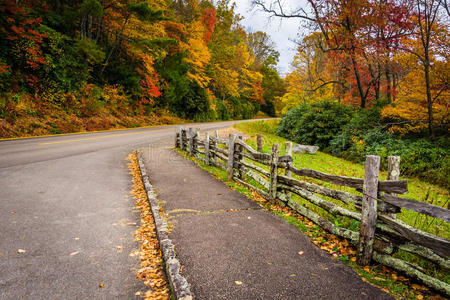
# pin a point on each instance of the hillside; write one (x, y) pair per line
(69, 66)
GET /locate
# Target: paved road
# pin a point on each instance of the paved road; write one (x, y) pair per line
(65, 201)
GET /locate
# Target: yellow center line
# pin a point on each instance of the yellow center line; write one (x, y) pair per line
(100, 137)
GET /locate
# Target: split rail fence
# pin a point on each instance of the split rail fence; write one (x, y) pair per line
(375, 206)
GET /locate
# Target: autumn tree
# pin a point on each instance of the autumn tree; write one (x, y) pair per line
(430, 34)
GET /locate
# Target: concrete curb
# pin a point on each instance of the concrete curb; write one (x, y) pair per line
(179, 284)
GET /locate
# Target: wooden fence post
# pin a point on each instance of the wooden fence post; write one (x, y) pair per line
(393, 172)
(393, 168)
(259, 142)
(182, 139)
(273, 172)
(238, 157)
(214, 146)
(288, 151)
(191, 141)
(207, 148)
(196, 138)
(369, 210)
(231, 156)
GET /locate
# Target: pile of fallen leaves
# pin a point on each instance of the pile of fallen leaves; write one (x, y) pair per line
(152, 269)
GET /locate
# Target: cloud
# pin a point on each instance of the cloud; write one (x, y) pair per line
(281, 31)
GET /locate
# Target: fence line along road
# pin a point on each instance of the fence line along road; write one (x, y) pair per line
(380, 233)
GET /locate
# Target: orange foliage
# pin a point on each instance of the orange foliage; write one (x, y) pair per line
(209, 19)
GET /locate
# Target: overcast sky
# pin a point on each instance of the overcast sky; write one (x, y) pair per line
(281, 31)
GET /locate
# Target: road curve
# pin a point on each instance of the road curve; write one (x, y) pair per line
(66, 217)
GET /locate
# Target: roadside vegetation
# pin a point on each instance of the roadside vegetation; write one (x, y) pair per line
(68, 66)
(387, 279)
(328, 163)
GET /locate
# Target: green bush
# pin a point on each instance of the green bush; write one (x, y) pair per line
(315, 123)
(364, 135)
(341, 131)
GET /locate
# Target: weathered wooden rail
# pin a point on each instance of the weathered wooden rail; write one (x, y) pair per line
(380, 235)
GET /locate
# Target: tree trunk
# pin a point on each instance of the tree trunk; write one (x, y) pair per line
(429, 99)
(358, 82)
(394, 85)
(388, 82)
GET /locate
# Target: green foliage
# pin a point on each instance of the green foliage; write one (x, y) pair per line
(92, 51)
(144, 12)
(65, 70)
(273, 86)
(194, 105)
(222, 111)
(354, 135)
(92, 7)
(123, 72)
(315, 123)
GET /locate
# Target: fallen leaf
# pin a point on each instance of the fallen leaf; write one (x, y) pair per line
(76, 239)
(300, 253)
(367, 269)
(137, 294)
(353, 258)
(419, 287)
(12, 212)
(74, 253)
(380, 279)
(419, 297)
(100, 285)
(238, 282)
(21, 251)
(119, 249)
(292, 275)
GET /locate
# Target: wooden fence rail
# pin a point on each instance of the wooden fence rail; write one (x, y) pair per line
(380, 233)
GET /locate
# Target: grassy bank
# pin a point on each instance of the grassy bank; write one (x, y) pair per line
(386, 279)
(418, 189)
(327, 163)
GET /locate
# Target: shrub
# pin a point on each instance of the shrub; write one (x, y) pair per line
(364, 135)
(315, 123)
(351, 135)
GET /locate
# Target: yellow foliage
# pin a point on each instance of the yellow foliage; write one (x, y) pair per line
(198, 54)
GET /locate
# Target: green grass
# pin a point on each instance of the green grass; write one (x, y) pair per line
(418, 189)
(324, 162)
(377, 275)
(327, 163)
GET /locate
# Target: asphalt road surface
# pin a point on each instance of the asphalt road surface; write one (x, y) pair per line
(66, 216)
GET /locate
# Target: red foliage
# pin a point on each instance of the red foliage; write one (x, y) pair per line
(4, 68)
(21, 25)
(209, 19)
(150, 89)
(175, 31)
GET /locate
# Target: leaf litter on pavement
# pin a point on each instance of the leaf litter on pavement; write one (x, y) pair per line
(151, 270)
